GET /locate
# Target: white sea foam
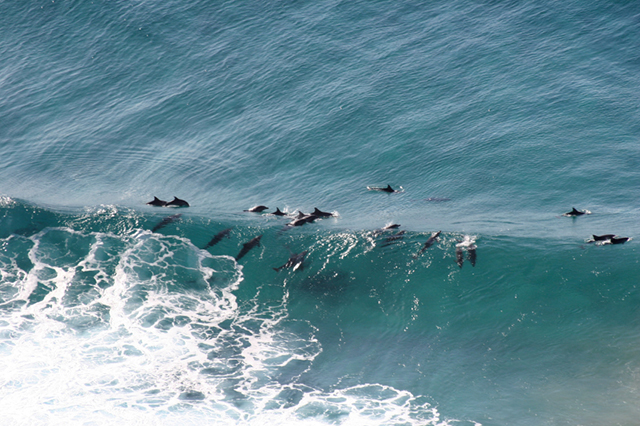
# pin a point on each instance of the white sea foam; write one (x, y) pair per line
(146, 329)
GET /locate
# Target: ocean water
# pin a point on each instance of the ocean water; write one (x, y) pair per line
(491, 118)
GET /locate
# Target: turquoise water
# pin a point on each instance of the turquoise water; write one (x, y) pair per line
(493, 118)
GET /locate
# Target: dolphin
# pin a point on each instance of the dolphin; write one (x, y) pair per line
(319, 213)
(395, 237)
(471, 254)
(468, 244)
(256, 209)
(459, 256)
(604, 237)
(167, 220)
(301, 220)
(619, 240)
(177, 202)
(388, 189)
(379, 231)
(574, 212)
(218, 237)
(432, 239)
(248, 246)
(392, 226)
(278, 212)
(157, 202)
(295, 261)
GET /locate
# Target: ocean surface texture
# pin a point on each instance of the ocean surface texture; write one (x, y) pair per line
(491, 119)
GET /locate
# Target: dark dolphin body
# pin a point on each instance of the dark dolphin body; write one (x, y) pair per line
(302, 220)
(377, 232)
(432, 239)
(574, 212)
(177, 202)
(395, 237)
(392, 226)
(256, 209)
(388, 189)
(459, 256)
(601, 237)
(157, 202)
(278, 212)
(620, 240)
(471, 254)
(248, 246)
(319, 213)
(608, 239)
(167, 220)
(218, 237)
(295, 261)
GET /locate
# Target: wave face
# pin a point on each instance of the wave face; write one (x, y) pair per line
(491, 119)
(131, 325)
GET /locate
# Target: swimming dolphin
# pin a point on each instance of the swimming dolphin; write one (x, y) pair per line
(218, 237)
(611, 240)
(468, 244)
(278, 212)
(295, 261)
(302, 219)
(388, 189)
(471, 254)
(256, 209)
(157, 202)
(459, 256)
(248, 246)
(601, 238)
(574, 212)
(177, 202)
(395, 237)
(319, 213)
(432, 239)
(379, 231)
(619, 240)
(392, 226)
(167, 220)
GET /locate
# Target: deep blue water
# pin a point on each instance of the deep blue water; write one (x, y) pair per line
(492, 119)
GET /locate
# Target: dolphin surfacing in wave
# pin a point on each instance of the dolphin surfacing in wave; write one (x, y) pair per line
(575, 212)
(167, 220)
(177, 202)
(248, 246)
(217, 238)
(157, 202)
(432, 239)
(388, 189)
(295, 261)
